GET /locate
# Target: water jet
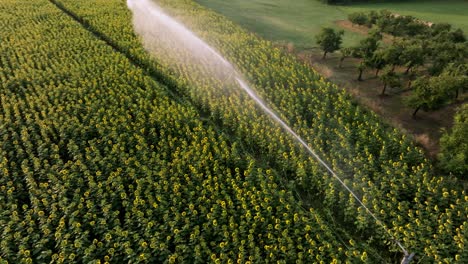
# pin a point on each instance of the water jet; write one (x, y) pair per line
(160, 31)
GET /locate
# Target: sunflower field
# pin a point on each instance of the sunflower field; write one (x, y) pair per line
(110, 154)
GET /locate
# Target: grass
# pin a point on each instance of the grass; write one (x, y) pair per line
(284, 21)
(299, 21)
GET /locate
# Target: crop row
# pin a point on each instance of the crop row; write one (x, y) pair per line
(426, 212)
(99, 164)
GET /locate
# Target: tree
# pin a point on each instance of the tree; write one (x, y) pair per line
(440, 27)
(441, 54)
(458, 36)
(372, 18)
(359, 18)
(460, 53)
(453, 156)
(428, 94)
(411, 76)
(392, 54)
(385, 21)
(362, 66)
(345, 53)
(444, 52)
(412, 55)
(455, 77)
(378, 61)
(415, 27)
(369, 45)
(375, 33)
(389, 78)
(329, 40)
(365, 51)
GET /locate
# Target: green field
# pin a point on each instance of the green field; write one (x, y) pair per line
(279, 20)
(112, 152)
(300, 20)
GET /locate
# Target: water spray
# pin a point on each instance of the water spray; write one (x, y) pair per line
(203, 53)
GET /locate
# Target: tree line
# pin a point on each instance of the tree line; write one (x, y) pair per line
(428, 59)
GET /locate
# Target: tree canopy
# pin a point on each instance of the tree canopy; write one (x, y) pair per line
(329, 40)
(453, 157)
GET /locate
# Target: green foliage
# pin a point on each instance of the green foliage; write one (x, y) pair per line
(453, 157)
(428, 94)
(443, 52)
(345, 53)
(404, 26)
(368, 46)
(378, 60)
(391, 174)
(438, 28)
(444, 32)
(367, 52)
(412, 54)
(455, 77)
(375, 33)
(393, 53)
(435, 45)
(100, 162)
(389, 78)
(431, 93)
(359, 18)
(329, 40)
(458, 36)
